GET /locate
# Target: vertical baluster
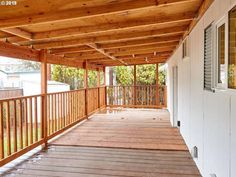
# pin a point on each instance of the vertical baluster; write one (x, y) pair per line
(73, 104)
(66, 108)
(1, 131)
(36, 118)
(31, 120)
(26, 121)
(41, 118)
(53, 112)
(50, 116)
(15, 126)
(56, 113)
(69, 102)
(8, 128)
(20, 120)
(60, 110)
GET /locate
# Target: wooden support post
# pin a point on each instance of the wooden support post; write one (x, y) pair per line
(105, 84)
(157, 85)
(135, 86)
(86, 88)
(44, 89)
(98, 85)
(165, 96)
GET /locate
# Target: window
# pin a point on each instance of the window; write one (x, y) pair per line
(232, 50)
(185, 52)
(208, 58)
(221, 65)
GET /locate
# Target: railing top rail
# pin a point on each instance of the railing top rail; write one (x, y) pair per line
(135, 85)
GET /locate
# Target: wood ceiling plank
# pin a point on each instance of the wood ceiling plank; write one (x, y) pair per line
(115, 26)
(141, 42)
(82, 12)
(178, 30)
(143, 47)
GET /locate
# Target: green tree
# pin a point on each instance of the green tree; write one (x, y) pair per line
(124, 75)
(72, 76)
(146, 75)
(92, 79)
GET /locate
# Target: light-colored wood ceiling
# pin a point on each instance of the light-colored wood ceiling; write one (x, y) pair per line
(103, 32)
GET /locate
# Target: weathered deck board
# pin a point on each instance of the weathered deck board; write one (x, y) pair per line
(90, 161)
(129, 143)
(127, 128)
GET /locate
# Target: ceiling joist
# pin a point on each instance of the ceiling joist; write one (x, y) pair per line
(97, 48)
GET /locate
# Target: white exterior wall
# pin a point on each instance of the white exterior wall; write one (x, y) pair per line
(208, 120)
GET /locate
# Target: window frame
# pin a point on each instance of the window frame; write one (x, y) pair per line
(223, 21)
(185, 48)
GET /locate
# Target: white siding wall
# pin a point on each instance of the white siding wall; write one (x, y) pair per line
(208, 120)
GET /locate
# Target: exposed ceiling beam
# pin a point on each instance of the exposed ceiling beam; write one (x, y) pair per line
(96, 29)
(14, 51)
(65, 50)
(117, 37)
(97, 48)
(102, 60)
(118, 45)
(142, 47)
(140, 62)
(84, 12)
(141, 42)
(158, 50)
(19, 32)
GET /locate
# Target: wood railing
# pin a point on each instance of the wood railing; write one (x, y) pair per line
(137, 96)
(27, 122)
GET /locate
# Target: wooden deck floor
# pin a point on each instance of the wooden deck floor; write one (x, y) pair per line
(129, 143)
(128, 128)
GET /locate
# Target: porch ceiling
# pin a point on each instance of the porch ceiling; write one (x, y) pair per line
(104, 32)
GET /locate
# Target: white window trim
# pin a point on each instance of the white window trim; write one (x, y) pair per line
(220, 86)
(187, 45)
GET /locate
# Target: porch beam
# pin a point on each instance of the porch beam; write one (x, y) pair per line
(19, 32)
(66, 50)
(100, 50)
(14, 51)
(84, 12)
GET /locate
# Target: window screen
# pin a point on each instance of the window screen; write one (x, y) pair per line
(208, 58)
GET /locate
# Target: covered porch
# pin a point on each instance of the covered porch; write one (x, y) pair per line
(106, 130)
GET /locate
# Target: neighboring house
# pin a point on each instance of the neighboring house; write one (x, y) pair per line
(29, 81)
(3, 78)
